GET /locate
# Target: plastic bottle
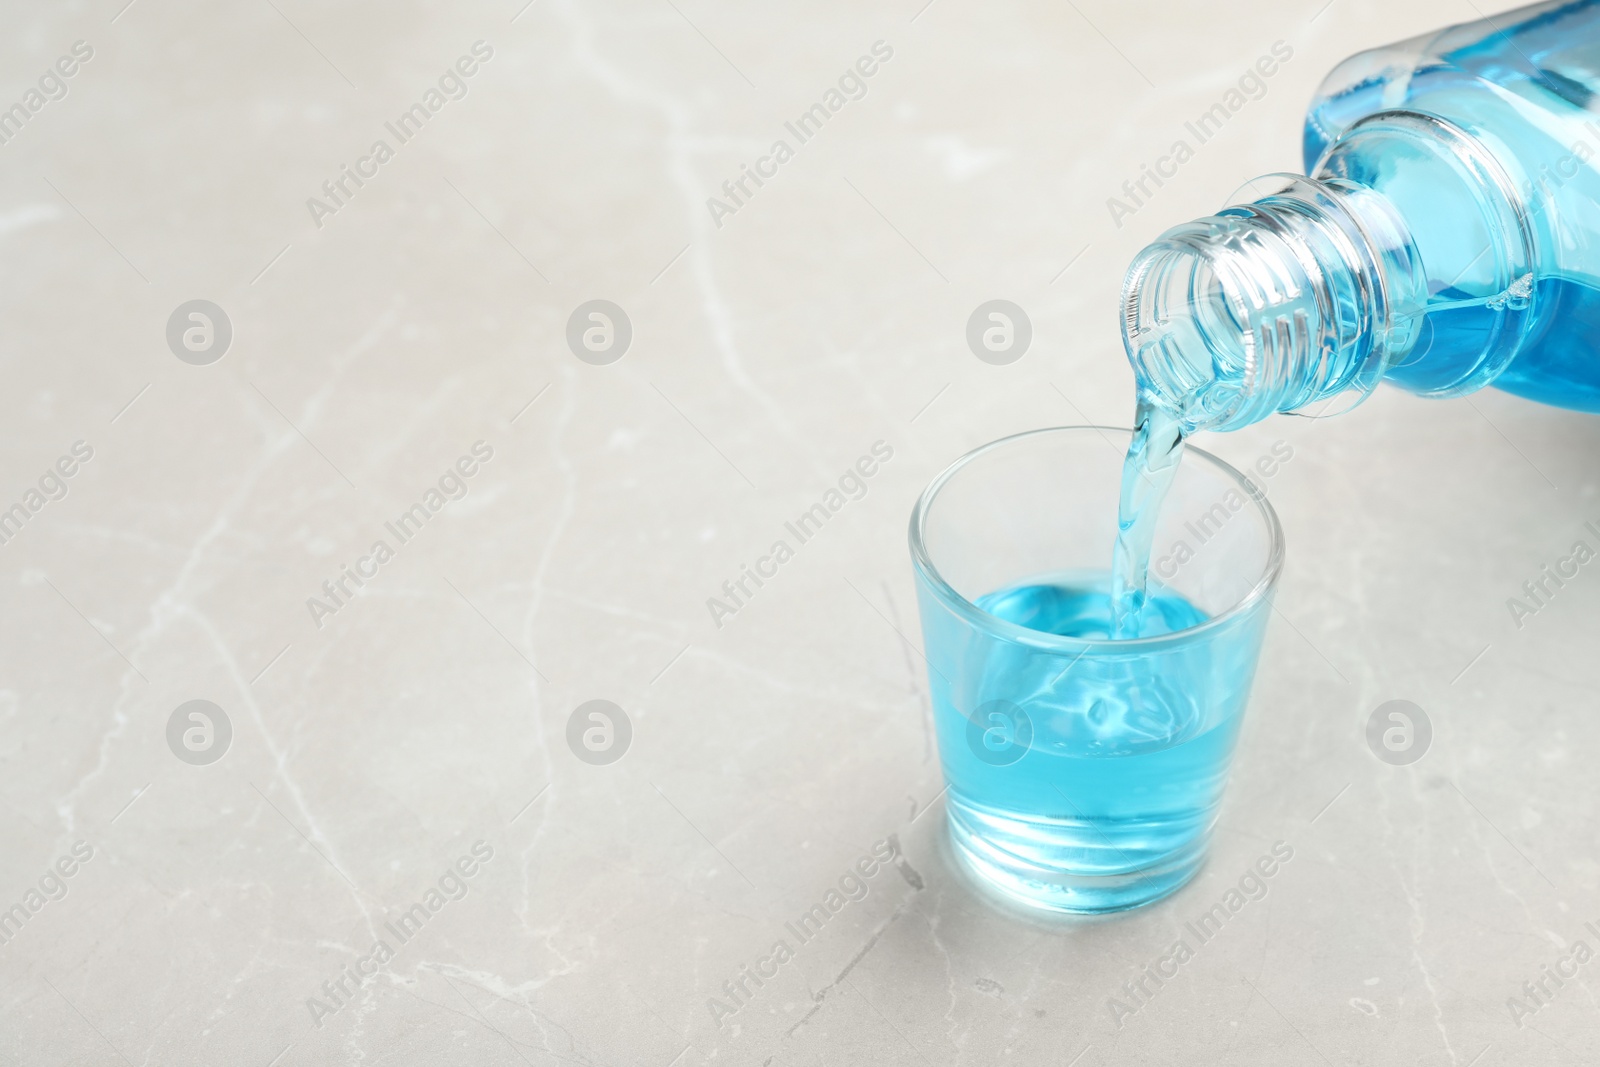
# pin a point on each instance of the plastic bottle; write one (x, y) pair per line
(1448, 238)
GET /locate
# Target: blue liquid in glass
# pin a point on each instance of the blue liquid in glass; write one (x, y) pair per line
(1115, 766)
(1082, 609)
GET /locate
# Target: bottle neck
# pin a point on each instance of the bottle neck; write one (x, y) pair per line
(1318, 287)
(1307, 292)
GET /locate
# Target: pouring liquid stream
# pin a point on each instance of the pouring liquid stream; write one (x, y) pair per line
(1147, 473)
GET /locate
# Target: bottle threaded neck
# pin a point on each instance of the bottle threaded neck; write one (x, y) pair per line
(1301, 294)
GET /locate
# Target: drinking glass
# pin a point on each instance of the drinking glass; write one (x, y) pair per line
(1084, 773)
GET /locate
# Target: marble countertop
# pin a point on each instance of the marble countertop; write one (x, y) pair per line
(380, 505)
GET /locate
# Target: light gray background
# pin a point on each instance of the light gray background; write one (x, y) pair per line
(768, 755)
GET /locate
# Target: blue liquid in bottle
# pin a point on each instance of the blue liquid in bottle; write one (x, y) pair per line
(1448, 239)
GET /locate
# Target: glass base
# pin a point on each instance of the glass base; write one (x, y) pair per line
(1035, 885)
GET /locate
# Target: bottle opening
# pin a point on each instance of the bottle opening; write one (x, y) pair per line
(1265, 307)
(1186, 334)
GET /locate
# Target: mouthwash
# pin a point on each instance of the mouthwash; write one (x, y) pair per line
(1447, 238)
(1147, 474)
(1116, 765)
(1085, 755)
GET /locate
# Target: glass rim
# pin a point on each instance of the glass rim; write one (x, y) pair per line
(924, 564)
